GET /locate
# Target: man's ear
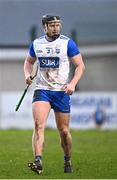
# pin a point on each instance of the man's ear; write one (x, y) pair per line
(45, 28)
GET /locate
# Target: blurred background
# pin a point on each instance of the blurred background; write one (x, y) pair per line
(93, 25)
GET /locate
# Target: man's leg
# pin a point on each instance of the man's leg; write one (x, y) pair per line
(40, 110)
(62, 120)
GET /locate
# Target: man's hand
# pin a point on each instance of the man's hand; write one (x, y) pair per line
(28, 80)
(69, 88)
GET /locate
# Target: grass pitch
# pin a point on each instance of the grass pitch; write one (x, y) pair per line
(94, 155)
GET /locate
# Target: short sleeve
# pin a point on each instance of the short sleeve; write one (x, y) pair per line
(31, 50)
(72, 49)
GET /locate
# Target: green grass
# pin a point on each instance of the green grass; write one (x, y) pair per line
(94, 155)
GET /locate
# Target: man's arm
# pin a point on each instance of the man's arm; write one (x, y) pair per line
(28, 68)
(80, 67)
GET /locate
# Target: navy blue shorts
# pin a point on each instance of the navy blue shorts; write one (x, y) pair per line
(59, 100)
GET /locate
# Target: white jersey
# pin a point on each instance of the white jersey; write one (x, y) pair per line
(53, 63)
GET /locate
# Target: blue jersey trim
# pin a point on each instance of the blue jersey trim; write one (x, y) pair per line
(72, 48)
(63, 37)
(31, 50)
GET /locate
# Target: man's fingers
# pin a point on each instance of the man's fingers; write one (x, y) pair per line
(31, 77)
(67, 90)
(29, 80)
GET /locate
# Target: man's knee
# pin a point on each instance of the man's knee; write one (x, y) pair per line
(38, 126)
(64, 133)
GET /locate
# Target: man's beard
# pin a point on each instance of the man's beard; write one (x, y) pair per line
(52, 38)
